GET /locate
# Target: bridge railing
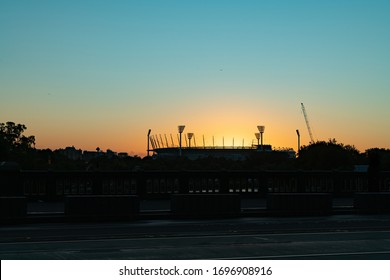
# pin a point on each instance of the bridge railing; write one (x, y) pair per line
(54, 185)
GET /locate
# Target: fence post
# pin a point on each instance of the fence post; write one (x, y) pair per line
(97, 187)
(51, 192)
(224, 182)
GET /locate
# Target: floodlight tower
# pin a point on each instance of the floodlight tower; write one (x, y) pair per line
(257, 134)
(189, 135)
(181, 129)
(261, 129)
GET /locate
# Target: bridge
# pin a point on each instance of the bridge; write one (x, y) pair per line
(191, 192)
(194, 215)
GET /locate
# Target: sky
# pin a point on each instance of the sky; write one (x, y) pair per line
(101, 73)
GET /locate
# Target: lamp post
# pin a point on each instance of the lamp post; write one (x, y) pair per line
(261, 129)
(181, 129)
(148, 141)
(189, 135)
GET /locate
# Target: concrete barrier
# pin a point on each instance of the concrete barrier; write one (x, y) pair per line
(372, 202)
(10, 180)
(13, 207)
(205, 205)
(101, 207)
(286, 204)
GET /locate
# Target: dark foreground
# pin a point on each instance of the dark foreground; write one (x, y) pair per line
(331, 237)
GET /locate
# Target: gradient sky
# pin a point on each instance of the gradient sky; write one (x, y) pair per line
(101, 73)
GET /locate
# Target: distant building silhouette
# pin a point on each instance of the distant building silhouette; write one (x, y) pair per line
(71, 153)
(235, 153)
(89, 155)
(77, 154)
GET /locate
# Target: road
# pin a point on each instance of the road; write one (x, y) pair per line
(333, 237)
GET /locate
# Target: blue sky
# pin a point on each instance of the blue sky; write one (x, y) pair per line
(101, 73)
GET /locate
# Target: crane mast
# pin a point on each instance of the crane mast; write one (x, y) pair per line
(307, 123)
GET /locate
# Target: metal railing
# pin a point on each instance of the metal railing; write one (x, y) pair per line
(54, 185)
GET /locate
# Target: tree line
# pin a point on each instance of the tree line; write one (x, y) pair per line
(321, 155)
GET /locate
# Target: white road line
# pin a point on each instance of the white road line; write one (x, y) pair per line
(306, 255)
(170, 237)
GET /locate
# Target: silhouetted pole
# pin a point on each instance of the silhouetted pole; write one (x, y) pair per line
(181, 129)
(162, 142)
(148, 141)
(158, 142)
(195, 141)
(173, 144)
(166, 140)
(299, 140)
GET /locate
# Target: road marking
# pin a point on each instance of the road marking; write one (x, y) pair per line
(219, 236)
(365, 253)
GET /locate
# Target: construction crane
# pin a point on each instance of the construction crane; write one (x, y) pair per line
(307, 123)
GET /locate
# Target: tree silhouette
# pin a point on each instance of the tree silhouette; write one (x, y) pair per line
(13, 142)
(329, 155)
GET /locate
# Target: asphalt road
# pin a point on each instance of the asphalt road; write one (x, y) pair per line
(333, 237)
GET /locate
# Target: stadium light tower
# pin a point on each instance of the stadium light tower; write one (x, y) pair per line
(261, 129)
(258, 138)
(189, 135)
(181, 129)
